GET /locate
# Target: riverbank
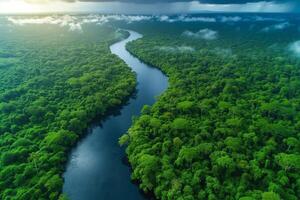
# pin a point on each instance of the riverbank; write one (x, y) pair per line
(95, 169)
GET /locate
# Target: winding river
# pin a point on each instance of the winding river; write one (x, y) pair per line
(96, 168)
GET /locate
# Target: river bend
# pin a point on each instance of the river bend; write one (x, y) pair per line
(96, 168)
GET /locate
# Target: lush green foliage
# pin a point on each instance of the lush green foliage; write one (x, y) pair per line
(228, 127)
(53, 83)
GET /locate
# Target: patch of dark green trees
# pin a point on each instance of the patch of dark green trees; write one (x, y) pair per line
(53, 82)
(228, 127)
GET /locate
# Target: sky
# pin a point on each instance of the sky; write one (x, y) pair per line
(146, 6)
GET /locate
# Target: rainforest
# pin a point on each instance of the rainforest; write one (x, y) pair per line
(145, 107)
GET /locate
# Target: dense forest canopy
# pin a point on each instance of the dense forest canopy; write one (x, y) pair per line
(228, 126)
(53, 81)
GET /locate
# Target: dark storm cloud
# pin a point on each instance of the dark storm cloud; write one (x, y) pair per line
(185, 6)
(201, 1)
(241, 1)
(295, 4)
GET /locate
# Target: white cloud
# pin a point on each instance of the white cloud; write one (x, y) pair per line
(274, 27)
(260, 18)
(196, 19)
(183, 18)
(127, 18)
(176, 49)
(74, 23)
(230, 19)
(43, 20)
(100, 19)
(295, 48)
(164, 18)
(75, 27)
(63, 21)
(251, 18)
(189, 18)
(66, 20)
(206, 34)
(224, 52)
(89, 20)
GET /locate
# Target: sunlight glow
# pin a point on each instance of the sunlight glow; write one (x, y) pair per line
(15, 6)
(34, 7)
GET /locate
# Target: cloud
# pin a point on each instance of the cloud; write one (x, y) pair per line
(184, 18)
(101, 19)
(172, 1)
(230, 19)
(63, 21)
(275, 27)
(242, 1)
(176, 49)
(68, 20)
(127, 18)
(260, 18)
(44, 1)
(196, 19)
(75, 27)
(242, 6)
(295, 48)
(165, 18)
(43, 20)
(224, 52)
(75, 22)
(205, 34)
(224, 19)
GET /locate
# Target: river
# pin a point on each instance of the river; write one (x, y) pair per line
(96, 168)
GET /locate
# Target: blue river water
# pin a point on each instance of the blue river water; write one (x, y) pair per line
(96, 169)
